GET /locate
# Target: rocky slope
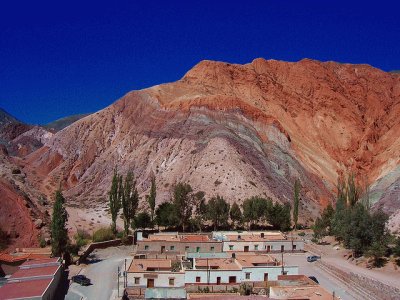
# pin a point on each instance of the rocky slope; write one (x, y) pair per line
(234, 130)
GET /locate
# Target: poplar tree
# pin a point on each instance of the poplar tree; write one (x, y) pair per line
(236, 214)
(151, 198)
(115, 200)
(129, 201)
(59, 233)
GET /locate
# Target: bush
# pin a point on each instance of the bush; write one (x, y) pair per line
(103, 234)
(302, 233)
(82, 238)
(42, 242)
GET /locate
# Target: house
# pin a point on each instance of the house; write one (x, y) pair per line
(257, 241)
(299, 287)
(151, 273)
(245, 268)
(35, 279)
(9, 263)
(174, 245)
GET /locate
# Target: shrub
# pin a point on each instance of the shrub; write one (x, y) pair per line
(42, 242)
(302, 233)
(103, 234)
(82, 238)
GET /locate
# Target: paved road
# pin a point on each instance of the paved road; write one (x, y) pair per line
(310, 269)
(102, 271)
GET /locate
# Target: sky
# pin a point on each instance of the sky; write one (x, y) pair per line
(61, 58)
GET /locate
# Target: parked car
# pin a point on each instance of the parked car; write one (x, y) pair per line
(313, 278)
(81, 279)
(313, 258)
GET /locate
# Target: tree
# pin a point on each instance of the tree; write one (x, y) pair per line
(115, 196)
(236, 214)
(256, 209)
(166, 215)
(279, 216)
(296, 202)
(151, 198)
(218, 211)
(142, 220)
(59, 233)
(183, 203)
(129, 201)
(200, 209)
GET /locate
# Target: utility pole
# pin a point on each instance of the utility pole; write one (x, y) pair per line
(125, 277)
(283, 269)
(118, 280)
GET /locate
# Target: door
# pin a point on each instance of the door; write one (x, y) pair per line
(268, 248)
(282, 248)
(246, 248)
(218, 280)
(265, 277)
(162, 249)
(150, 282)
(232, 279)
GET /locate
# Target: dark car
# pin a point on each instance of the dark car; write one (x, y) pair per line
(313, 258)
(81, 279)
(313, 278)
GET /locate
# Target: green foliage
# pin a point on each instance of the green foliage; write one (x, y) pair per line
(200, 208)
(142, 220)
(115, 196)
(259, 210)
(279, 216)
(151, 199)
(218, 211)
(323, 225)
(396, 249)
(103, 234)
(296, 202)
(183, 201)
(256, 209)
(302, 233)
(82, 238)
(245, 289)
(42, 242)
(129, 201)
(236, 214)
(165, 215)
(59, 234)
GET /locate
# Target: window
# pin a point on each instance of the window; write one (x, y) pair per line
(172, 248)
(187, 248)
(172, 281)
(294, 247)
(197, 249)
(212, 248)
(247, 275)
(232, 279)
(230, 247)
(146, 247)
(137, 280)
(198, 279)
(255, 247)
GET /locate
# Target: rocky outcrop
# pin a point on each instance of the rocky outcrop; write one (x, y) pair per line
(234, 130)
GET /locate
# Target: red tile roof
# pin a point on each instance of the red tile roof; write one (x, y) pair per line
(25, 289)
(13, 258)
(195, 238)
(40, 261)
(42, 271)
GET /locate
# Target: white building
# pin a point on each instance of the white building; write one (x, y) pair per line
(257, 241)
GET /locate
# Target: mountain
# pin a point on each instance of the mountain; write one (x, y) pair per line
(60, 124)
(235, 130)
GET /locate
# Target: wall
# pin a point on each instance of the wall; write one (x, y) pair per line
(161, 279)
(257, 274)
(179, 247)
(238, 246)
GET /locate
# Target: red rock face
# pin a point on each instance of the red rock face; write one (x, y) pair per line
(237, 131)
(15, 218)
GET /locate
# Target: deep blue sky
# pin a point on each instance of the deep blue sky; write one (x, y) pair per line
(58, 60)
